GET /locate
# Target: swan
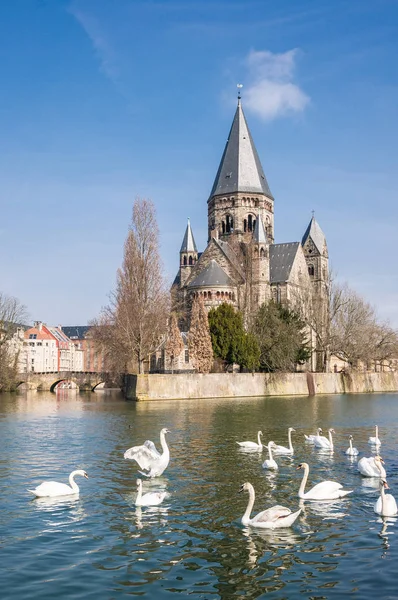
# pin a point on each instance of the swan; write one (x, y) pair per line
(271, 518)
(351, 451)
(270, 463)
(252, 445)
(283, 449)
(385, 505)
(326, 490)
(310, 438)
(372, 467)
(53, 488)
(149, 458)
(149, 499)
(320, 441)
(374, 440)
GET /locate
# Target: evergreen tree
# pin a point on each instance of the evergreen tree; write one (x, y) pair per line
(174, 344)
(281, 337)
(230, 341)
(200, 348)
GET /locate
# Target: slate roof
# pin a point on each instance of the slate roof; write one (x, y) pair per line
(240, 168)
(230, 254)
(188, 243)
(281, 259)
(211, 276)
(76, 332)
(316, 234)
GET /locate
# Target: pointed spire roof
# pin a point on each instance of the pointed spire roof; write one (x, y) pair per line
(240, 168)
(212, 275)
(316, 234)
(188, 243)
(259, 235)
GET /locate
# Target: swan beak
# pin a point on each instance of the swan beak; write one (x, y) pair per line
(299, 467)
(241, 489)
(85, 475)
(387, 487)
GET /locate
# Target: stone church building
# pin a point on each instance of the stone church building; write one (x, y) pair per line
(242, 264)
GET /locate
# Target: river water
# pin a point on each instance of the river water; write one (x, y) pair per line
(100, 546)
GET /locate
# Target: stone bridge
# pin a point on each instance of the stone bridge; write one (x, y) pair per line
(78, 380)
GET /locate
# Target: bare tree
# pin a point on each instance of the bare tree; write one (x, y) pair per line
(130, 327)
(13, 314)
(174, 344)
(200, 347)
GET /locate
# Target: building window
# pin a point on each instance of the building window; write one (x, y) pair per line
(187, 356)
(311, 270)
(185, 261)
(190, 261)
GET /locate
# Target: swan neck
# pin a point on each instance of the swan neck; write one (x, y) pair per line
(163, 442)
(249, 508)
(259, 440)
(383, 499)
(289, 437)
(331, 440)
(304, 481)
(72, 482)
(270, 451)
(139, 493)
(377, 432)
(351, 443)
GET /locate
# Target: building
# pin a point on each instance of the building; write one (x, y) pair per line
(93, 358)
(49, 350)
(242, 264)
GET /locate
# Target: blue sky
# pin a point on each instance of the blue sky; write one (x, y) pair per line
(105, 100)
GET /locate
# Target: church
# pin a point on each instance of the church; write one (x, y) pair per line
(242, 264)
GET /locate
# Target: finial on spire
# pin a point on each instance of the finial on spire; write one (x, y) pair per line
(239, 86)
(313, 214)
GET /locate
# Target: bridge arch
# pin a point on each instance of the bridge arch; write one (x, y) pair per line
(69, 384)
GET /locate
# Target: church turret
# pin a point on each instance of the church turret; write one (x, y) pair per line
(240, 190)
(260, 277)
(188, 254)
(316, 252)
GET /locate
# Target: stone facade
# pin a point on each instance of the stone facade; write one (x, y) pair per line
(241, 264)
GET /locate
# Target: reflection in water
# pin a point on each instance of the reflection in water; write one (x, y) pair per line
(194, 543)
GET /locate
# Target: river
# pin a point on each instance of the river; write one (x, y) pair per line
(100, 546)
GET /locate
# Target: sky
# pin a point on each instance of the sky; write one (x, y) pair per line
(104, 101)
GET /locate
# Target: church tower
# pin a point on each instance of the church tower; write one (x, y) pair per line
(317, 259)
(188, 255)
(260, 275)
(240, 193)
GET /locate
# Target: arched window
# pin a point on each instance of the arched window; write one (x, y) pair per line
(190, 261)
(262, 253)
(223, 227)
(244, 225)
(250, 223)
(185, 261)
(311, 270)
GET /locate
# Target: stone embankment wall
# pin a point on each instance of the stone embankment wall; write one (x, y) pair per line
(240, 385)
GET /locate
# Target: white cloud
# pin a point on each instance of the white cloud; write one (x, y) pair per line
(271, 92)
(102, 47)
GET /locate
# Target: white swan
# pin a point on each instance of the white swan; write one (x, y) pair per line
(310, 438)
(270, 463)
(326, 490)
(320, 441)
(283, 449)
(53, 488)
(149, 458)
(386, 505)
(149, 499)
(372, 467)
(272, 518)
(374, 440)
(351, 451)
(252, 445)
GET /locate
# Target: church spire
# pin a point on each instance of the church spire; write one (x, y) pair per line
(188, 243)
(240, 168)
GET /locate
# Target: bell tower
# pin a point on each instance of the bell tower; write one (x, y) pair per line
(188, 254)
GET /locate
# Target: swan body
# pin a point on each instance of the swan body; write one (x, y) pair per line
(374, 440)
(326, 490)
(149, 458)
(386, 505)
(271, 518)
(283, 449)
(320, 441)
(371, 467)
(270, 463)
(310, 438)
(149, 499)
(351, 451)
(253, 445)
(50, 489)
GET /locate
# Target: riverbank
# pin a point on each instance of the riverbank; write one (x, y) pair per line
(240, 385)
